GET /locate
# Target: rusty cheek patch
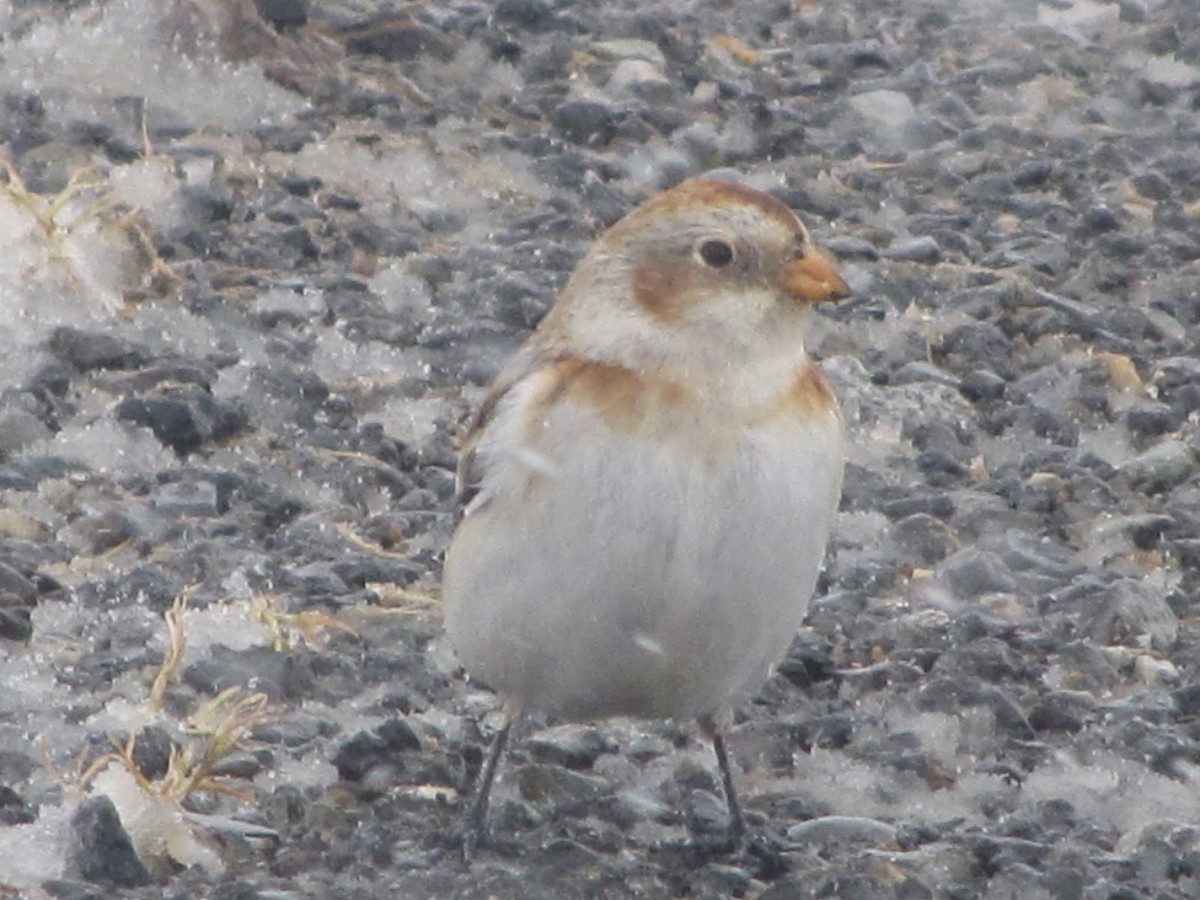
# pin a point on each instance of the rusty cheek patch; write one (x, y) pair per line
(662, 291)
(626, 401)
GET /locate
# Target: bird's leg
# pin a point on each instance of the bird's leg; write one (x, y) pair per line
(475, 830)
(737, 821)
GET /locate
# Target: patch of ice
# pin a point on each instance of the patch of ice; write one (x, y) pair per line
(885, 109)
(108, 446)
(34, 852)
(83, 65)
(337, 360)
(402, 292)
(303, 302)
(230, 624)
(403, 173)
(306, 772)
(1082, 20)
(1171, 72)
(1114, 790)
(149, 185)
(413, 421)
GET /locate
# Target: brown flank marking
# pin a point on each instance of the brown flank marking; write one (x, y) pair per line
(627, 401)
(808, 396)
(630, 402)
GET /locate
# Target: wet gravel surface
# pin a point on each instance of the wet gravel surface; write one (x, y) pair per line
(238, 375)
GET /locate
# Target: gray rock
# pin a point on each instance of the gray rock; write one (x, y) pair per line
(88, 350)
(573, 746)
(1134, 613)
(922, 249)
(556, 790)
(584, 121)
(707, 814)
(843, 830)
(924, 540)
(951, 695)
(972, 573)
(1161, 468)
(99, 849)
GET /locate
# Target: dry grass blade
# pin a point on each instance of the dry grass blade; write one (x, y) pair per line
(312, 625)
(225, 721)
(176, 645)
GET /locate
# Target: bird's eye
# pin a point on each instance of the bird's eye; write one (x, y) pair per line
(716, 254)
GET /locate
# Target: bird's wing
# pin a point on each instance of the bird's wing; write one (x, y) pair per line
(471, 471)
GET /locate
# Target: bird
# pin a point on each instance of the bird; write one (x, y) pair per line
(647, 489)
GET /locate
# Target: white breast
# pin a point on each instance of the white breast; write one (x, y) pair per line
(609, 574)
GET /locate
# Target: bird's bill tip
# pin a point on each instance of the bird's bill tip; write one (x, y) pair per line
(814, 278)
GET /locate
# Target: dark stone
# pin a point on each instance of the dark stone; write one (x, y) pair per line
(707, 814)
(13, 808)
(583, 121)
(920, 249)
(924, 540)
(284, 139)
(99, 849)
(16, 624)
(367, 750)
(1032, 174)
(89, 350)
(1098, 220)
(976, 343)
(398, 734)
(283, 13)
(807, 664)
(152, 751)
(1162, 467)
(986, 657)
(185, 419)
(523, 13)
(941, 469)
(1187, 700)
(831, 732)
(1049, 715)
(1152, 186)
(920, 372)
(399, 39)
(1151, 419)
(981, 384)
(555, 790)
(951, 694)
(1129, 612)
(15, 589)
(973, 573)
(278, 675)
(573, 747)
(844, 246)
(301, 185)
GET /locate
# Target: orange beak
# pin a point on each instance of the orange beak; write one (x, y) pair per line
(814, 278)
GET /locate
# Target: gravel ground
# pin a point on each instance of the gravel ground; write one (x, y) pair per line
(257, 273)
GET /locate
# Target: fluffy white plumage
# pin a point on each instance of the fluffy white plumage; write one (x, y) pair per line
(653, 477)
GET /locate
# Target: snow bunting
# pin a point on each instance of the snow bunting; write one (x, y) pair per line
(650, 483)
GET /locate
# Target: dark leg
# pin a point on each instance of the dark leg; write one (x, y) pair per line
(737, 822)
(476, 823)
